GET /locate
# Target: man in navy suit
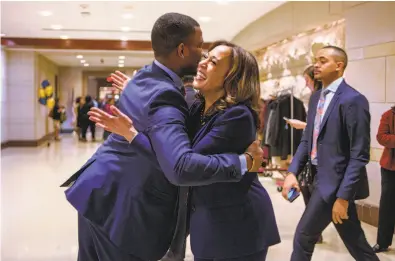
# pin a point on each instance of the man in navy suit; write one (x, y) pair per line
(336, 144)
(126, 194)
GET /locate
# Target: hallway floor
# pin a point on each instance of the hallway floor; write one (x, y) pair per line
(38, 224)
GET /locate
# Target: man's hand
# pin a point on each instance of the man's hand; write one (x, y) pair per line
(119, 123)
(340, 211)
(120, 80)
(297, 124)
(290, 182)
(257, 154)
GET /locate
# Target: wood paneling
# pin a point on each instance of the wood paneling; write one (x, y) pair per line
(79, 44)
(28, 143)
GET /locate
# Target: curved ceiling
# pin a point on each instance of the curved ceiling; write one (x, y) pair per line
(130, 20)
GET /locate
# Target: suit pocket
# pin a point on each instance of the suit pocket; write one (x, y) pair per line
(340, 168)
(231, 213)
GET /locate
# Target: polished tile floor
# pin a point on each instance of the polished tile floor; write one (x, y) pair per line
(39, 225)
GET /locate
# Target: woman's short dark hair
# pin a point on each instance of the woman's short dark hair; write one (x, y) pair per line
(188, 79)
(88, 99)
(309, 71)
(242, 84)
(169, 31)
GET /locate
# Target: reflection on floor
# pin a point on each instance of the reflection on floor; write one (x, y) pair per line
(39, 225)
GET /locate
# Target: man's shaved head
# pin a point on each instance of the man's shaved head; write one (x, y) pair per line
(339, 54)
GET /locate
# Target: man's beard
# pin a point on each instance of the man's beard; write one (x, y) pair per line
(190, 70)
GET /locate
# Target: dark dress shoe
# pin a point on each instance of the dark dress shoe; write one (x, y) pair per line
(377, 248)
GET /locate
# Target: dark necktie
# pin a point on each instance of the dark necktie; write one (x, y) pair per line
(183, 92)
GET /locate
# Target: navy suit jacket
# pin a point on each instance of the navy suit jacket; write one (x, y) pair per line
(343, 145)
(229, 220)
(130, 190)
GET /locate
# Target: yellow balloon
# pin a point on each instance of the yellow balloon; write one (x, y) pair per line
(48, 91)
(41, 93)
(50, 103)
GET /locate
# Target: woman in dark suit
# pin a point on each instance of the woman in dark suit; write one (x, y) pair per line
(228, 221)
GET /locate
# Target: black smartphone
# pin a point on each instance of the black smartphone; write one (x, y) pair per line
(293, 194)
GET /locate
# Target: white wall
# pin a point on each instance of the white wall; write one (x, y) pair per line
(370, 44)
(3, 96)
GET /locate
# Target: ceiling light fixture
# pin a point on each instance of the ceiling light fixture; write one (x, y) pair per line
(124, 38)
(127, 16)
(45, 13)
(121, 65)
(125, 29)
(83, 61)
(121, 61)
(64, 37)
(56, 27)
(86, 64)
(205, 19)
(121, 57)
(80, 56)
(222, 2)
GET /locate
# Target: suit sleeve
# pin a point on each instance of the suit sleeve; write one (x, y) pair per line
(301, 156)
(384, 137)
(357, 117)
(170, 142)
(235, 127)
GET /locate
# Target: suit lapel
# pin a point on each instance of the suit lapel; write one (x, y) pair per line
(204, 129)
(332, 104)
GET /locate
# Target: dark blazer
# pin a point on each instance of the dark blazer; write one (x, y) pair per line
(229, 220)
(343, 145)
(129, 190)
(386, 137)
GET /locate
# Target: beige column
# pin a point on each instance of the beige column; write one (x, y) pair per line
(21, 95)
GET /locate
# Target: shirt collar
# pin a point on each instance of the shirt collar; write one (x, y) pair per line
(176, 79)
(334, 85)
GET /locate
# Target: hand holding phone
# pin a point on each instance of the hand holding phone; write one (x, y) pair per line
(293, 194)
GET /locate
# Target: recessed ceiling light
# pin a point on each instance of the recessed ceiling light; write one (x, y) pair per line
(82, 61)
(127, 16)
(64, 37)
(80, 56)
(121, 61)
(2, 35)
(56, 26)
(124, 38)
(86, 64)
(121, 65)
(222, 2)
(205, 19)
(121, 57)
(45, 13)
(125, 29)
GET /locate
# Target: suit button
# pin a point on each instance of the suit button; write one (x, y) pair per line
(193, 208)
(234, 173)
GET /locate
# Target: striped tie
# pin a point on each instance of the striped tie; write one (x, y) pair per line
(317, 123)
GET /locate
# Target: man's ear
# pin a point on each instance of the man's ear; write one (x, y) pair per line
(180, 50)
(339, 66)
